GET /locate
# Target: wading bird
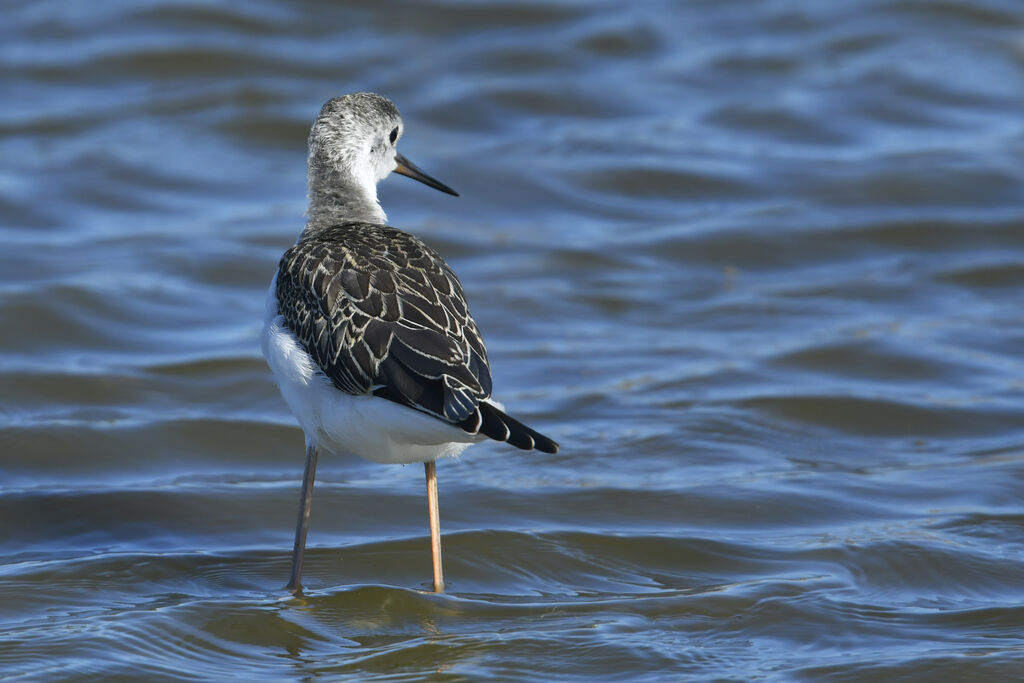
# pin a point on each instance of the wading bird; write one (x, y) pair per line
(367, 330)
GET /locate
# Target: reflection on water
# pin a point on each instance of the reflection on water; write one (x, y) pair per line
(757, 267)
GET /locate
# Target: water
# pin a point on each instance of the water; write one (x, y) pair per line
(756, 265)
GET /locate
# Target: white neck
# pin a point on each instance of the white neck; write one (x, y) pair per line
(336, 197)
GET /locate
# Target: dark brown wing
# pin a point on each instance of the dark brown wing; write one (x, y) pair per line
(381, 312)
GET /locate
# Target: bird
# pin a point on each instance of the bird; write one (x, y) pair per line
(367, 331)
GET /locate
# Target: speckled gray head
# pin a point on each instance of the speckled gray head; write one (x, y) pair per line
(352, 147)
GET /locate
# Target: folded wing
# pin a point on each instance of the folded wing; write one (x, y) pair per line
(380, 312)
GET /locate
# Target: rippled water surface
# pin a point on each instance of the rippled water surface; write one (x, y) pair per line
(758, 266)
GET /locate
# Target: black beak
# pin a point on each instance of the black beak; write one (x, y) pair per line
(407, 168)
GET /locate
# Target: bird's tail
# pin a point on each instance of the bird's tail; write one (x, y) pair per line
(491, 421)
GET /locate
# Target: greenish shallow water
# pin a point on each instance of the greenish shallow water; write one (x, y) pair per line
(758, 266)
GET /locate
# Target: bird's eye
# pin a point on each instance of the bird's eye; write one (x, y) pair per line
(394, 135)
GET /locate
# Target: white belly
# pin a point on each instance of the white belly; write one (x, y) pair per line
(370, 427)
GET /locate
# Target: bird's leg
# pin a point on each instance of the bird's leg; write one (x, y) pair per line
(305, 502)
(435, 524)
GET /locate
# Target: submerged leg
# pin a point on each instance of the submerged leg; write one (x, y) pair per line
(435, 524)
(305, 502)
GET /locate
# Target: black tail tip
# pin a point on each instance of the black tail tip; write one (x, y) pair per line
(493, 422)
(544, 444)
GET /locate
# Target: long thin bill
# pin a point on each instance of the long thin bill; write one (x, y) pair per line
(407, 168)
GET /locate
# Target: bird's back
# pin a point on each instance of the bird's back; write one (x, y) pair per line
(381, 313)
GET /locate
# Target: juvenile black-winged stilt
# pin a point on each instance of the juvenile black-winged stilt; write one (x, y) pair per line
(367, 329)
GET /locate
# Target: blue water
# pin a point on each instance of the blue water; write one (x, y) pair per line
(757, 266)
